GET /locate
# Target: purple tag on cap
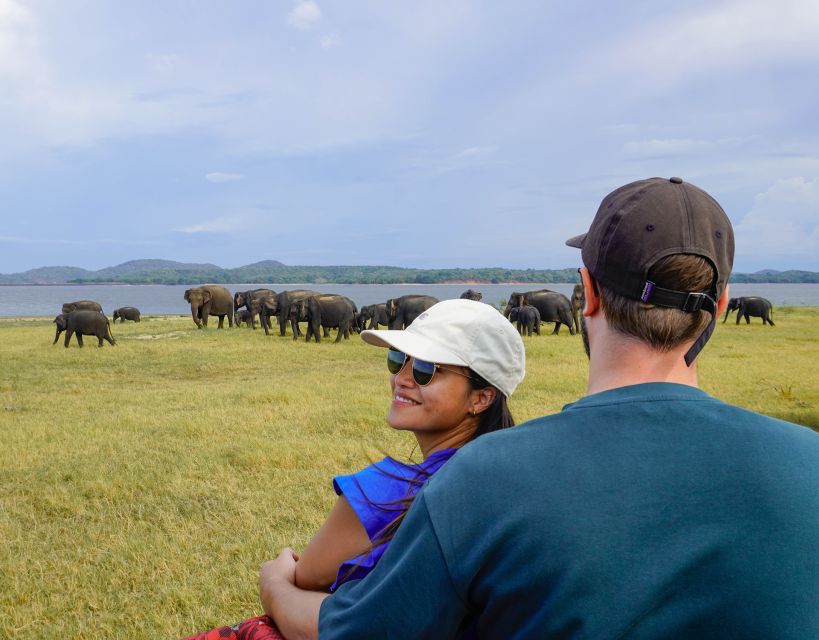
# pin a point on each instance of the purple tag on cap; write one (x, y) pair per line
(647, 289)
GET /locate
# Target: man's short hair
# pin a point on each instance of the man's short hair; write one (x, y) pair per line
(661, 327)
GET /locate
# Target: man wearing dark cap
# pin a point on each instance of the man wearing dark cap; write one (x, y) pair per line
(647, 509)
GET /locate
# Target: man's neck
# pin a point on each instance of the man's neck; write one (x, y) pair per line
(619, 361)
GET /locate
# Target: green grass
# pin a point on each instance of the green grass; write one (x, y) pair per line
(142, 485)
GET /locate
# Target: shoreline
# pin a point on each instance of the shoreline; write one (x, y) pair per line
(468, 283)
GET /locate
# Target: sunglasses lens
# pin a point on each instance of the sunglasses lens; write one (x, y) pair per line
(422, 371)
(395, 360)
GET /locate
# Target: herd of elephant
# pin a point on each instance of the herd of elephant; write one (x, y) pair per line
(324, 311)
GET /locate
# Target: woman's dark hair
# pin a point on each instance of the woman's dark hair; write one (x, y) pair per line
(496, 417)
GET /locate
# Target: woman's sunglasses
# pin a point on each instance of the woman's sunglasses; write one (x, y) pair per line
(422, 371)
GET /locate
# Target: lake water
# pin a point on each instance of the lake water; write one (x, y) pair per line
(27, 300)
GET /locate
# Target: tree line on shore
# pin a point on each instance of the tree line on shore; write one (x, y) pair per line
(169, 272)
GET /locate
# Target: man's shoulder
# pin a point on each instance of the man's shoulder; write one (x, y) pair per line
(665, 411)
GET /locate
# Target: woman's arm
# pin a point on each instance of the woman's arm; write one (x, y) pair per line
(294, 611)
(341, 537)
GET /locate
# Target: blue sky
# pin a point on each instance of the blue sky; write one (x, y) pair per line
(425, 133)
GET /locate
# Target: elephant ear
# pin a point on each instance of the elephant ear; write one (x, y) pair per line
(187, 295)
(206, 296)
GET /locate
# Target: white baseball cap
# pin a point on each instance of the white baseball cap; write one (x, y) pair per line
(465, 333)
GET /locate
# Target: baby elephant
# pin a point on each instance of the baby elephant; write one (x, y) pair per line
(242, 315)
(126, 313)
(527, 318)
(83, 323)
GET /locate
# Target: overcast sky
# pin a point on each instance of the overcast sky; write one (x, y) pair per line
(431, 133)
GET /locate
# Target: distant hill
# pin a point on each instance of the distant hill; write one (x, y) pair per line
(141, 266)
(273, 271)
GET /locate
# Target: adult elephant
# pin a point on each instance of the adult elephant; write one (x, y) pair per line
(210, 300)
(527, 318)
(283, 302)
(471, 294)
(376, 314)
(84, 322)
(578, 302)
(253, 300)
(325, 311)
(77, 305)
(748, 306)
(402, 311)
(553, 307)
(126, 313)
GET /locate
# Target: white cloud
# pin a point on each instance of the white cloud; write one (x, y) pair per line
(304, 15)
(733, 34)
(470, 157)
(476, 152)
(782, 224)
(164, 63)
(18, 44)
(218, 177)
(328, 42)
(222, 224)
(659, 148)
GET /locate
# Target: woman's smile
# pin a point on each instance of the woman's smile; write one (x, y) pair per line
(399, 400)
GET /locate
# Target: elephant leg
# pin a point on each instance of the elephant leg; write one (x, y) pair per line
(99, 338)
(79, 339)
(556, 332)
(326, 332)
(747, 318)
(340, 333)
(68, 334)
(770, 320)
(56, 336)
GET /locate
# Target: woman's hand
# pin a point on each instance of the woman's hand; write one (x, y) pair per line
(294, 611)
(273, 573)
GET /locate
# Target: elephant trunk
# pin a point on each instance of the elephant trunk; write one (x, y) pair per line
(195, 315)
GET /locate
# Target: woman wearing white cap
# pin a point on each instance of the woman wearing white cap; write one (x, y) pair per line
(451, 372)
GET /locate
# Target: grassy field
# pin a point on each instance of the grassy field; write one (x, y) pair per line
(142, 485)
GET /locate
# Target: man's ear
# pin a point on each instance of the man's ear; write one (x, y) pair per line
(723, 301)
(590, 291)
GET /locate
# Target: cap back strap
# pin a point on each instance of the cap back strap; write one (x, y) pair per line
(686, 301)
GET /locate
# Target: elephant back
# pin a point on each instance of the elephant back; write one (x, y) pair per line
(89, 305)
(221, 302)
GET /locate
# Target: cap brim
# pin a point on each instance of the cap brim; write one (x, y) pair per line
(412, 344)
(577, 241)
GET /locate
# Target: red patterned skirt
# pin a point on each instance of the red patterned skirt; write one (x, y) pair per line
(258, 628)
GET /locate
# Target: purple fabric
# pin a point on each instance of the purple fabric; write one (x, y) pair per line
(375, 494)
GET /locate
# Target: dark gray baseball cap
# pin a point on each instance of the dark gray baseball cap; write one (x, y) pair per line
(645, 221)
